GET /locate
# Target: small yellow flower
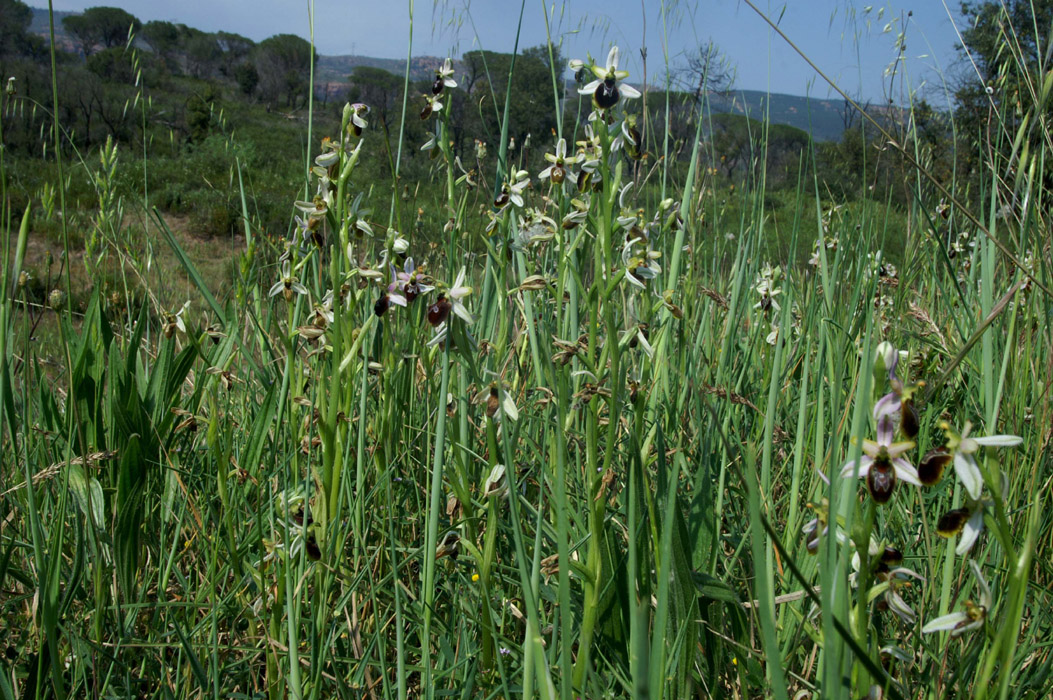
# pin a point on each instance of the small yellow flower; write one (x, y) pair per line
(475, 578)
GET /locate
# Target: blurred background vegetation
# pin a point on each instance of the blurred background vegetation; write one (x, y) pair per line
(213, 108)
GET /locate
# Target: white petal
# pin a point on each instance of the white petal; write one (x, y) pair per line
(276, 289)
(508, 406)
(974, 625)
(971, 532)
(887, 405)
(850, 467)
(999, 440)
(590, 88)
(899, 606)
(628, 91)
(462, 311)
(644, 345)
(985, 591)
(612, 59)
(947, 622)
(969, 474)
(905, 471)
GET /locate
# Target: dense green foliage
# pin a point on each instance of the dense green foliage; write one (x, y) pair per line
(300, 399)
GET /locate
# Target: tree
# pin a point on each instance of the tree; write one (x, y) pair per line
(1007, 43)
(105, 26)
(379, 89)
(247, 77)
(532, 110)
(164, 38)
(203, 55)
(235, 48)
(705, 70)
(284, 65)
(15, 17)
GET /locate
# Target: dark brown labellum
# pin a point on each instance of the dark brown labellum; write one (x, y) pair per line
(310, 544)
(382, 305)
(931, 467)
(909, 422)
(502, 199)
(439, 311)
(558, 175)
(952, 522)
(881, 480)
(438, 85)
(492, 403)
(426, 112)
(892, 556)
(412, 291)
(606, 95)
(583, 180)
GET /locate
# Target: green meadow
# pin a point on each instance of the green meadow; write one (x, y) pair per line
(513, 375)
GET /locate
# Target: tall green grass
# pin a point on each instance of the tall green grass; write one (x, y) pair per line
(599, 486)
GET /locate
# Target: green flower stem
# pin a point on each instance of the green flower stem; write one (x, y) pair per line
(434, 504)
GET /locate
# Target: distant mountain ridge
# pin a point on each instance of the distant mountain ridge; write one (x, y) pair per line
(824, 119)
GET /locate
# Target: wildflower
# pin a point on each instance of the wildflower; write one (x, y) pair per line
(931, 466)
(174, 321)
(882, 464)
(819, 526)
(439, 311)
(444, 78)
(512, 191)
(496, 484)
(636, 337)
(972, 618)
(557, 172)
(964, 447)
(606, 89)
(458, 292)
(480, 149)
(765, 287)
(432, 104)
(499, 402)
(408, 281)
(57, 299)
(358, 117)
(11, 89)
(891, 580)
(287, 285)
(898, 404)
(967, 521)
(384, 303)
(317, 207)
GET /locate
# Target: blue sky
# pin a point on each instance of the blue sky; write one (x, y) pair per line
(853, 42)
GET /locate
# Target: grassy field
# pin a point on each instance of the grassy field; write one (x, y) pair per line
(603, 427)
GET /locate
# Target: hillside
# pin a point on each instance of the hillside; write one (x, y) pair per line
(823, 118)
